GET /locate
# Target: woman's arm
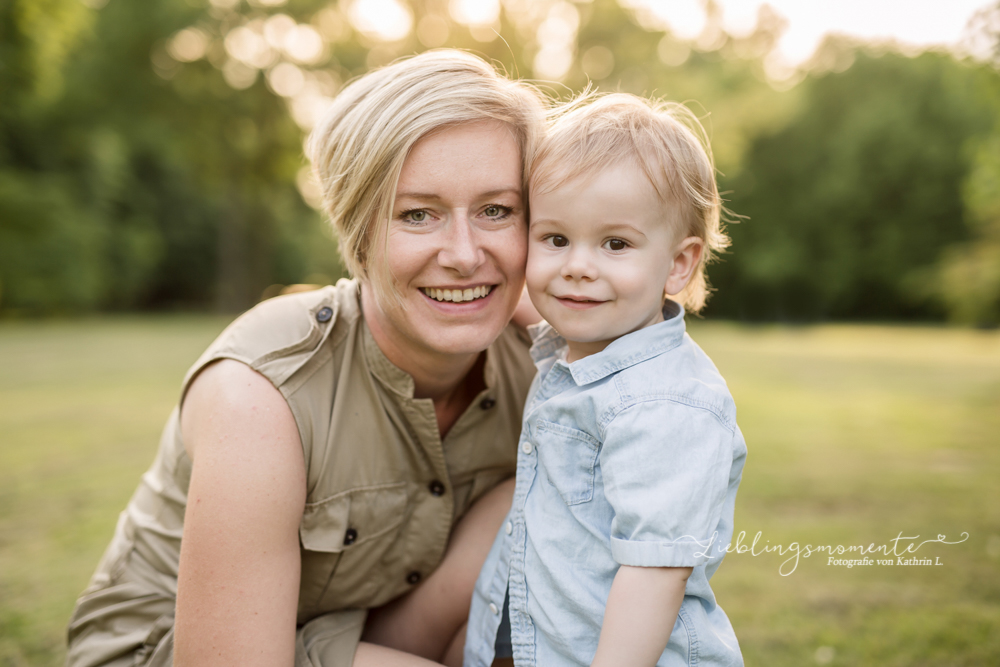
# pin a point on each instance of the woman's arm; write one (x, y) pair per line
(641, 611)
(238, 585)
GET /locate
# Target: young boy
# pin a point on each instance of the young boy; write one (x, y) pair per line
(629, 456)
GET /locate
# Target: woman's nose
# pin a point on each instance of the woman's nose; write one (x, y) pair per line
(461, 250)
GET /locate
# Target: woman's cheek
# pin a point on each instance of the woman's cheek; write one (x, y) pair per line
(515, 252)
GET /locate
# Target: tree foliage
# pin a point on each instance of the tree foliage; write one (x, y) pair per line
(150, 152)
(852, 203)
(122, 188)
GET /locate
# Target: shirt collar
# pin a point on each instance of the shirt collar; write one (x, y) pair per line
(399, 381)
(623, 352)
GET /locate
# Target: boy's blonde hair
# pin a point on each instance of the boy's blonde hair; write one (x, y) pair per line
(664, 140)
(359, 147)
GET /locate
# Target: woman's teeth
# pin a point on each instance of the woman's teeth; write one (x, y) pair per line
(457, 295)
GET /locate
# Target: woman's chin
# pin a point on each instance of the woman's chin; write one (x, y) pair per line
(468, 327)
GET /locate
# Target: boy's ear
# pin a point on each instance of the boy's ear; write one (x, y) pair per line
(687, 256)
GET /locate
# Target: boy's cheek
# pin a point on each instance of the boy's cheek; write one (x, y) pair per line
(535, 284)
(534, 264)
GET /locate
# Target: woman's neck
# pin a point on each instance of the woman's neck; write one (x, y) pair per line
(451, 381)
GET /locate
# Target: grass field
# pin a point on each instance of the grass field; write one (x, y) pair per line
(856, 435)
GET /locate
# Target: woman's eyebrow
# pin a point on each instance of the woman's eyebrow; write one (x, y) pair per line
(436, 197)
(502, 191)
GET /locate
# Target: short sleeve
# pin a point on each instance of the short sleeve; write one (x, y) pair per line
(666, 468)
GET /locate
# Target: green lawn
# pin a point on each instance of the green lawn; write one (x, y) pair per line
(856, 434)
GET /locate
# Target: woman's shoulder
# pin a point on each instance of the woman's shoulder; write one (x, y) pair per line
(278, 335)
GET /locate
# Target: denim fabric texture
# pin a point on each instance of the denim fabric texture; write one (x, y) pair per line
(630, 456)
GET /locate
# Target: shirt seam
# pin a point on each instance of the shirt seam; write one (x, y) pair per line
(613, 411)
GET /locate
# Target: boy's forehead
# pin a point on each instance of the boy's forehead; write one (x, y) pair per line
(608, 179)
(616, 195)
(552, 174)
(623, 181)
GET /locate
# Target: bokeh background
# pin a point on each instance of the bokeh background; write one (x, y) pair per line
(152, 184)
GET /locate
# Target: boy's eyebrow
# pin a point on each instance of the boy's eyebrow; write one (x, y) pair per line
(483, 195)
(625, 226)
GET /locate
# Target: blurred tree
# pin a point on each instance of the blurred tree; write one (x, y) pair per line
(128, 180)
(150, 153)
(851, 204)
(982, 34)
(45, 237)
(968, 279)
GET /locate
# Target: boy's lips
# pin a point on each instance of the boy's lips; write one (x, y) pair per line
(578, 302)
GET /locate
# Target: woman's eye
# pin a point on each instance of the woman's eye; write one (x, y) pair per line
(495, 211)
(415, 216)
(617, 244)
(559, 241)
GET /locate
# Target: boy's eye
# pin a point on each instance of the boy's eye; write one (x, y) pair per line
(617, 244)
(559, 241)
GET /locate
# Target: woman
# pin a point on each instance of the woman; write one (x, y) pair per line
(327, 443)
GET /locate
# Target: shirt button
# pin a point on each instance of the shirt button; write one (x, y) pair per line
(526, 447)
(413, 577)
(350, 536)
(494, 609)
(508, 528)
(324, 314)
(436, 488)
(486, 403)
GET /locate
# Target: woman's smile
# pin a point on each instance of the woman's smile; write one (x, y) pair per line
(458, 294)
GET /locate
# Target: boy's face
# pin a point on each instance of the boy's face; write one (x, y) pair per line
(600, 255)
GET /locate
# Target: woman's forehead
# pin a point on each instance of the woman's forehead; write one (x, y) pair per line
(483, 157)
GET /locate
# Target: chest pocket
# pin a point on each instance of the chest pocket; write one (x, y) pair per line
(568, 457)
(345, 539)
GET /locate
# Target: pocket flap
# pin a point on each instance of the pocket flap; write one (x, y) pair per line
(367, 511)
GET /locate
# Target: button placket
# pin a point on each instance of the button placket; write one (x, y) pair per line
(439, 511)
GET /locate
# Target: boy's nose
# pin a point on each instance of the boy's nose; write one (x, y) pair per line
(579, 265)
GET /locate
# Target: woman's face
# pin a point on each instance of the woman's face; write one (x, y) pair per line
(457, 242)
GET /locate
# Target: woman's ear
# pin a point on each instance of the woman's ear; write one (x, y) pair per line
(687, 257)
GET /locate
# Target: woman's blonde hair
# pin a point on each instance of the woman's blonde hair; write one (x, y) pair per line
(359, 147)
(664, 140)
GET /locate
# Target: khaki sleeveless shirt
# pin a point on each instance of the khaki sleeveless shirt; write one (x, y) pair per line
(383, 488)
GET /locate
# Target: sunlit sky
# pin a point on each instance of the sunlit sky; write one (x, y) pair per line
(915, 22)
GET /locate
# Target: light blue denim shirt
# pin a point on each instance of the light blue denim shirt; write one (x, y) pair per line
(630, 456)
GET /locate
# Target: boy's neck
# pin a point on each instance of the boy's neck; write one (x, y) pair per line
(577, 350)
